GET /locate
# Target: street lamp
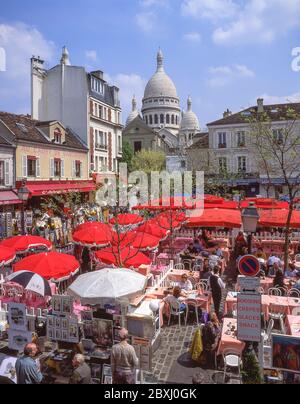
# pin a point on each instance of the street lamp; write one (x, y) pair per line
(23, 195)
(250, 218)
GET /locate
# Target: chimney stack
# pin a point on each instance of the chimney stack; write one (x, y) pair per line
(227, 113)
(260, 105)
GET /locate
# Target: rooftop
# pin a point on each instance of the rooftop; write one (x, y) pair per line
(274, 112)
(27, 129)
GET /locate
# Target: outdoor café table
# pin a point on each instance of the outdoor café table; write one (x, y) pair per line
(293, 325)
(203, 300)
(175, 275)
(228, 338)
(280, 303)
(267, 283)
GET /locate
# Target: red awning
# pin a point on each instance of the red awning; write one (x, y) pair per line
(60, 188)
(9, 198)
(217, 218)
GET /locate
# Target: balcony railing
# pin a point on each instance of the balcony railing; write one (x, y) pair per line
(101, 147)
(222, 145)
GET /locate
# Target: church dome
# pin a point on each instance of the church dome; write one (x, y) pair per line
(134, 113)
(189, 119)
(160, 84)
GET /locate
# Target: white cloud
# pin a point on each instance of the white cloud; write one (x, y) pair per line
(223, 75)
(260, 21)
(91, 55)
(146, 21)
(211, 9)
(193, 37)
(129, 84)
(277, 99)
(154, 3)
(20, 42)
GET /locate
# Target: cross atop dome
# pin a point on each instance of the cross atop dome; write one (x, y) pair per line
(189, 103)
(160, 60)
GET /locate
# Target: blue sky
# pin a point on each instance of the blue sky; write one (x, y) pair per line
(224, 53)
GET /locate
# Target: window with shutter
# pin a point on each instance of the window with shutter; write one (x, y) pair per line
(2, 173)
(24, 166)
(7, 174)
(62, 168)
(38, 168)
(52, 168)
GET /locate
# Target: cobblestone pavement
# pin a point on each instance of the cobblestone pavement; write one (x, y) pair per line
(172, 362)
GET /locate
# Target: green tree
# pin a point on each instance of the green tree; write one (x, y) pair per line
(128, 154)
(148, 161)
(277, 154)
(251, 370)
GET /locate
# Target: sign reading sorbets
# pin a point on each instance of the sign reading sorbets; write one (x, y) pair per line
(249, 317)
(249, 266)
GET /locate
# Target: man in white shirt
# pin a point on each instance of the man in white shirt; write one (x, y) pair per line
(185, 284)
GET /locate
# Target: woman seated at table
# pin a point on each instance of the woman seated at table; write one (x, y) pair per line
(261, 254)
(185, 284)
(177, 297)
(291, 272)
(207, 240)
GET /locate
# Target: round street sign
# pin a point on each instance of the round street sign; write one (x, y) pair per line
(249, 266)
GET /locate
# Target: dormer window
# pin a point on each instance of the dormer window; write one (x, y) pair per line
(97, 85)
(57, 136)
(22, 127)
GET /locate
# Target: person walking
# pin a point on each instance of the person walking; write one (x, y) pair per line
(124, 361)
(216, 285)
(82, 372)
(26, 367)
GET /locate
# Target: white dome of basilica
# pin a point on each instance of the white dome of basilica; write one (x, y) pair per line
(160, 84)
(189, 119)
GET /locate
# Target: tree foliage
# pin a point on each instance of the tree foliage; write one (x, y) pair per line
(148, 161)
(128, 154)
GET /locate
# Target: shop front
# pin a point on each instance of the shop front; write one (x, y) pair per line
(54, 208)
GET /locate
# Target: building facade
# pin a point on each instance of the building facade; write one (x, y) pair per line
(50, 158)
(229, 149)
(170, 129)
(83, 102)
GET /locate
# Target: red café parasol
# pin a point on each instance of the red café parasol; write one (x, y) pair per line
(139, 240)
(22, 244)
(7, 255)
(217, 218)
(124, 257)
(153, 229)
(127, 219)
(51, 266)
(278, 218)
(93, 234)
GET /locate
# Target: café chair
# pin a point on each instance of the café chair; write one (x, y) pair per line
(296, 311)
(232, 359)
(267, 334)
(274, 292)
(177, 312)
(294, 293)
(196, 305)
(179, 267)
(203, 285)
(234, 310)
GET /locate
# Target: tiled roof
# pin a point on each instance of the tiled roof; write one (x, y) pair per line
(27, 129)
(201, 143)
(4, 142)
(275, 112)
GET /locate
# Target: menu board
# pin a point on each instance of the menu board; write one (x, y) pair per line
(143, 349)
